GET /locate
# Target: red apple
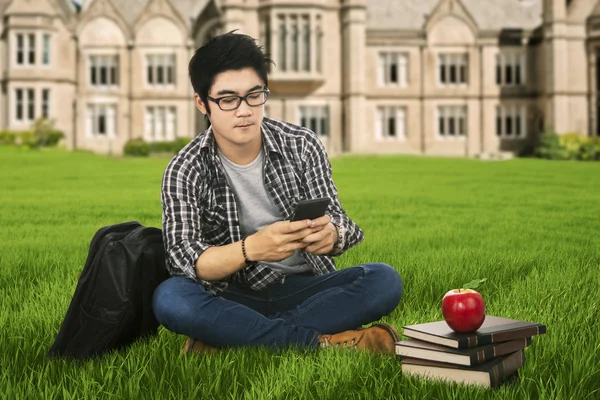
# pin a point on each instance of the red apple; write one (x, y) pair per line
(463, 310)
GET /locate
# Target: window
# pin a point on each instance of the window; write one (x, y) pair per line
(511, 121)
(101, 120)
(25, 105)
(452, 121)
(104, 70)
(315, 118)
(25, 48)
(510, 69)
(46, 103)
(390, 123)
(46, 50)
(297, 38)
(453, 69)
(393, 69)
(160, 69)
(160, 123)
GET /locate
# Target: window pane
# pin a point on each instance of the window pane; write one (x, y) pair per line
(45, 103)
(451, 127)
(324, 130)
(31, 48)
(150, 72)
(463, 74)
(452, 73)
(509, 74)
(31, 104)
(442, 69)
(113, 75)
(498, 122)
(170, 74)
(461, 126)
(394, 72)
(102, 122)
(509, 122)
(306, 43)
(441, 124)
(19, 104)
(295, 44)
(159, 75)
(20, 50)
(518, 131)
(518, 74)
(499, 69)
(103, 77)
(391, 125)
(314, 124)
(282, 44)
(46, 54)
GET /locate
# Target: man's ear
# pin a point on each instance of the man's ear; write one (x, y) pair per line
(200, 104)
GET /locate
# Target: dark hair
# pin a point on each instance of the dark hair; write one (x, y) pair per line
(230, 51)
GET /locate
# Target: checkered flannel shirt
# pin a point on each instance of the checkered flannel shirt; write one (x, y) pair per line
(200, 210)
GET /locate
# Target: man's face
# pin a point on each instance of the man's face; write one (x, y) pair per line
(240, 126)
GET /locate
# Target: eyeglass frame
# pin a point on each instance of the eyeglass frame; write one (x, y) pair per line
(265, 90)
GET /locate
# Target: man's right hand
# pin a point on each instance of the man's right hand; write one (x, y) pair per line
(279, 240)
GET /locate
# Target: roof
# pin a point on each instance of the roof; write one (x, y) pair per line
(131, 9)
(488, 14)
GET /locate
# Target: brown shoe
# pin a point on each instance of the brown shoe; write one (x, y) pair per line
(379, 338)
(197, 346)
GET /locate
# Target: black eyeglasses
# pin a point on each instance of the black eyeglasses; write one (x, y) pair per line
(253, 99)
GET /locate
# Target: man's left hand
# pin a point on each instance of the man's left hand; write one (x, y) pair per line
(322, 242)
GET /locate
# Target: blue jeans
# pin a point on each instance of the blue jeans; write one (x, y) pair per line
(284, 314)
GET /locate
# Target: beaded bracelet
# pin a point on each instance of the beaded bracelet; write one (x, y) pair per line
(244, 251)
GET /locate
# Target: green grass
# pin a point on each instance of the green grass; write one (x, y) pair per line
(531, 227)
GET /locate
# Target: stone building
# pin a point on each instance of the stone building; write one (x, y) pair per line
(437, 77)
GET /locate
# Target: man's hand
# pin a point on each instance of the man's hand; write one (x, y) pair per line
(280, 240)
(321, 242)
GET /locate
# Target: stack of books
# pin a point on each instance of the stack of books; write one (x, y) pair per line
(488, 357)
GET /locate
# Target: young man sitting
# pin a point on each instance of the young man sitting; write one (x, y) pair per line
(242, 273)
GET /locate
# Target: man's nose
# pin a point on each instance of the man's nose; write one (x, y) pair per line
(244, 109)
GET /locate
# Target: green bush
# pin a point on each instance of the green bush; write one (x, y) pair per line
(137, 148)
(8, 138)
(28, 139)
(569, 146)
(549, 147)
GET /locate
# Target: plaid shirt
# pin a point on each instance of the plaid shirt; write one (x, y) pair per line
(200, 210)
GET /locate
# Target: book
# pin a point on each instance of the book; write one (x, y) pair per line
(489, 374)
(493, 330)
(414, 348)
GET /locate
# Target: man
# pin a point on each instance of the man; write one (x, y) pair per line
(243, 274)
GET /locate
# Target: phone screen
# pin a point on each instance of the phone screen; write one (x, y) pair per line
(310, 209)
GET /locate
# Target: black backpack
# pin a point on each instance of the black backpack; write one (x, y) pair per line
(112, 304)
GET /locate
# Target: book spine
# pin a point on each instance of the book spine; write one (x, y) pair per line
(506, 336)
(499, 350)
(506, 368)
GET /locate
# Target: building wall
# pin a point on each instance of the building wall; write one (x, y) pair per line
(558, 73)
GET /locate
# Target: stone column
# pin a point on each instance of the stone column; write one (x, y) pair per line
(555, 29)
(353, 16)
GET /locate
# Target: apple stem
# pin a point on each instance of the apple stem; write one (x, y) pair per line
(458, 290)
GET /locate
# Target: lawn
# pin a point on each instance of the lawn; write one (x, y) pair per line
(531, 227)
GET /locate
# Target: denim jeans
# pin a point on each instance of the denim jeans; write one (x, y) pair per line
(292, 313)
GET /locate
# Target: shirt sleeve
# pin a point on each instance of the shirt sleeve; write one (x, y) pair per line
(320, 183)
(182, 232)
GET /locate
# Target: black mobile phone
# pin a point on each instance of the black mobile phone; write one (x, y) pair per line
(310, 209)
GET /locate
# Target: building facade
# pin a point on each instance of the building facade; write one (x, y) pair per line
(437, 77)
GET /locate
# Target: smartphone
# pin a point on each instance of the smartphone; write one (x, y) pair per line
(310, 209)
